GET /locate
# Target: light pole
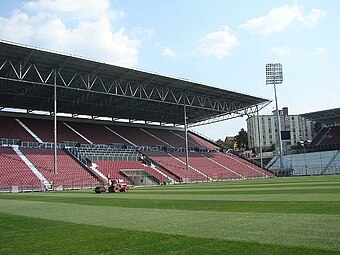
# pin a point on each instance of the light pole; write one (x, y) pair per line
(259, 136)
(274, 76)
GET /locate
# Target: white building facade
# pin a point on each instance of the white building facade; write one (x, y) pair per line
(263, 129)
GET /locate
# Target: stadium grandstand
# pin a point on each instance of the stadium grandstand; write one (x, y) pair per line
(322, 154)
(69, 122)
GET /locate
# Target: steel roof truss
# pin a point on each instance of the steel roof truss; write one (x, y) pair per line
(139, 91)
(13, 68)
(3, 64)
(31, 73)
(177, 100)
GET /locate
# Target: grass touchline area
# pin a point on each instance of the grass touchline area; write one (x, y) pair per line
(297, 216)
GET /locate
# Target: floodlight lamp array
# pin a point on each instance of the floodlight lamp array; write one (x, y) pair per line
(274, 73)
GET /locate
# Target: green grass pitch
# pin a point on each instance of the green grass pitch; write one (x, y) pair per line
(297, 215)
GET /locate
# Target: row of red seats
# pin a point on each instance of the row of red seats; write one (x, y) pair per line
(113, 169)
(70, 173)
(98, 134)
(14, 172)
(332, 137)
(214, 165)
(211, 168)
(176, 167)
(240, 165)
(11, 129)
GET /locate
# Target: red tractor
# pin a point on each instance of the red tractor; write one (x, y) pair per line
(118, 185)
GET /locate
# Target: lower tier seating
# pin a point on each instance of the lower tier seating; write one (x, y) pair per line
(113, 169)
(70, 173)
(239, 165)
(176, 166)
(14, 172)
(215, 166)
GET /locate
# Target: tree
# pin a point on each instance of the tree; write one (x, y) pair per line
(269, 148)
(230, 144)
(221, 143)
(242, 139)
(227, 144)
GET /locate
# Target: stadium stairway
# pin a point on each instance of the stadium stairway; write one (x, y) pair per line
(330, 162)
(122, 137)
(40, 176)
(167, 162)
(162, 141)
(15, 173)
(205, 176)
(95, 173)
(106, 162)
(175, 168)
(225, 167)
(11, 129)
(78, 133)
(29, 131)
(162, 174)
(154, 163)
(70, 173)
(151, 175)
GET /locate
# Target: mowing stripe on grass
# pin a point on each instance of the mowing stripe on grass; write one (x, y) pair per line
(314, 207)
(306, 230)
(227, 188)
(41, 236)
(199, 197)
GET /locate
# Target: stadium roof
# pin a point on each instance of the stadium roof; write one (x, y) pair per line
(326, 116)
(86, 87)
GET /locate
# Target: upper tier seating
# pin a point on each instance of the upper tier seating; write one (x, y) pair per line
(327, 136)
(97, 133)
(11, 129)
(200, 141)
(70, 173)
(332, 137)
(318, 138)
(195, 141)
(44, 129)
(14, 171)
(137, 136)
(166, 136)
(177, 138)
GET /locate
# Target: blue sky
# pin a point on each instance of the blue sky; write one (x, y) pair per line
(220, 43)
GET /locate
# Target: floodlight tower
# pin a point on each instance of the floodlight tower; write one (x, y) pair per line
(274, 76)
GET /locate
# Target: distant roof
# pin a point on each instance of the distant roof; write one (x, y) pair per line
(326, 116)
(88, 87)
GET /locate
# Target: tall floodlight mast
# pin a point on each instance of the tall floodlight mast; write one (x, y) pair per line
(274, 76)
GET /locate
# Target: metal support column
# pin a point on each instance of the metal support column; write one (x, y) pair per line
(55, 124)
(186, 139)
